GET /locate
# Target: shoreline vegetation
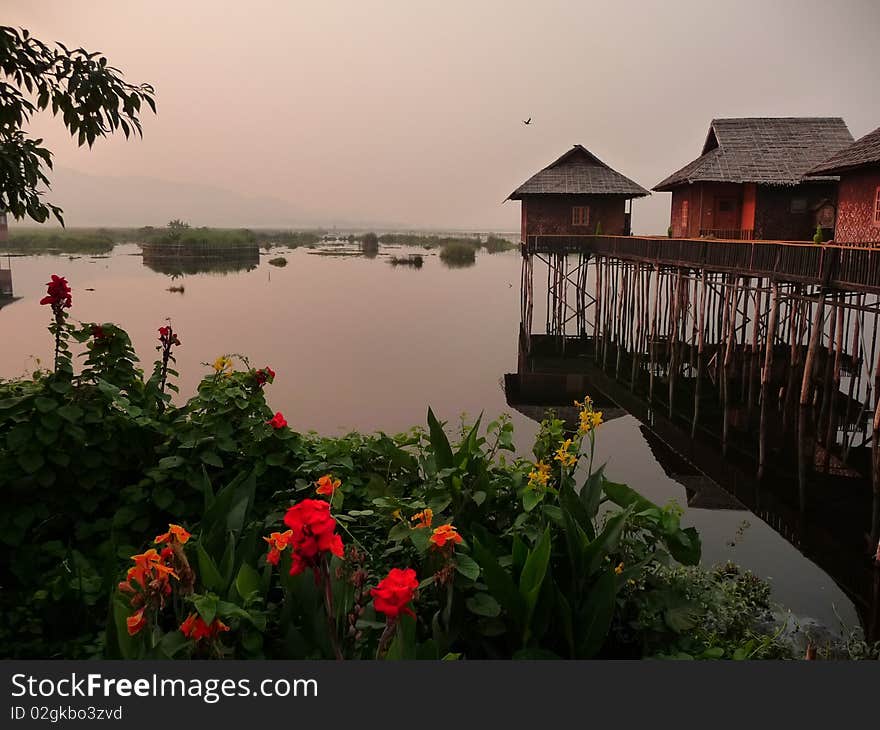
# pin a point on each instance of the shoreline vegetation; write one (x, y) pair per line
(436, 543)
(180, 239)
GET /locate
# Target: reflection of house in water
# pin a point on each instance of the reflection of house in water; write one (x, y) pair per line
(702, 491)
(540, 386)
(822, 514)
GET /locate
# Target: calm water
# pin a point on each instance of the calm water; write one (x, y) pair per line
(359, 344)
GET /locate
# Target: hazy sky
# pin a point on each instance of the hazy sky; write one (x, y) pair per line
(409, 112)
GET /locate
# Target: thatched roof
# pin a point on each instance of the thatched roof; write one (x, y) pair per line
(578, 172)
(770, 151)
(862, 152)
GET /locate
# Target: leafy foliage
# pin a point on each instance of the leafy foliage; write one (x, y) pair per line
(87, 93)
(514, 557)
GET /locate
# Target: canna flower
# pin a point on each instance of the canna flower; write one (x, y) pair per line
(589, 418)
(57, 293)
(313, 534)
(175, 534)
(394, 592)
(195, 628)
(564, 455)
(327, 485)
(539, 476)
(168, 338)
(98, 332)
(619, 569)
(135, 622)
(396, 515)
(277, 421)
(223, 366)
(445, 534)
(278, 541)
(423, 518)
(264, 375)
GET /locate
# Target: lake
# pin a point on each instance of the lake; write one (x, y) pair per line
(360, 344)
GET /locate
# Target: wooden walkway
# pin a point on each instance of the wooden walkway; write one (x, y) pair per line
(845, 268)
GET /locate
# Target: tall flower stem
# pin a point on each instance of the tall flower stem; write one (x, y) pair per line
(328, 607)
(387, 637)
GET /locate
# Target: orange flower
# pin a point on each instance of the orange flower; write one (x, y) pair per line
(327, 485)
(423, 518)
(278, 541)
(175, 532)
(135, 622)
(445, 534)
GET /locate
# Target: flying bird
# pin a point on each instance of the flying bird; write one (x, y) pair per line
(527, 121)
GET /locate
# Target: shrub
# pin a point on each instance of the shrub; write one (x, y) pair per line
(370, 244)
(278, 261)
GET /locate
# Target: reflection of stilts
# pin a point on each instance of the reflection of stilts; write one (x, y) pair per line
(785, 366)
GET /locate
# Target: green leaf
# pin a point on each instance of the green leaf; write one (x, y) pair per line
(206, 606)
(44, 405)
(439, 442)
(531, 499)
(500, 584)
(606, 542)
(247, 582)
(467, 566)
(208, 571)
(163, 497)
(70, 413)
(595, 620)
(30, 461)
(533, 573)
(211, 458)
(171, 462)
(483, 604)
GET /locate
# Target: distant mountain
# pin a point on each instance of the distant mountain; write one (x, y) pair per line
(92, 200)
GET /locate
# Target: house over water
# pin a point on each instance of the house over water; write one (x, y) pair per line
(858, 194)
(577, 194)
(749, 181)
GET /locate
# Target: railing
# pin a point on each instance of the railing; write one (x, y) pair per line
(836, 266)
(730, 234)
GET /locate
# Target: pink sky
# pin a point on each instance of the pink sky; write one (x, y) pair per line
(410, 112)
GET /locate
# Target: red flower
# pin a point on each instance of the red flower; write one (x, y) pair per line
(195, 627)
(58, 293)
(264, 375)
(167, 336)
(313, 533)
(394, 592)
(277, 421)
(98, 332)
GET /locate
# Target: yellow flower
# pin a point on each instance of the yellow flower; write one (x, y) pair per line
(396, 514)
(619, 569)
(539, 476)
(564, 455)
(589, 419)
(223, 365)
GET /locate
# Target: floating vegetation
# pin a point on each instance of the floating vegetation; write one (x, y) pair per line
(52, 240)
(458, 255)
(278, 261)
(496, 244)
(176, 288)
(416, 260)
